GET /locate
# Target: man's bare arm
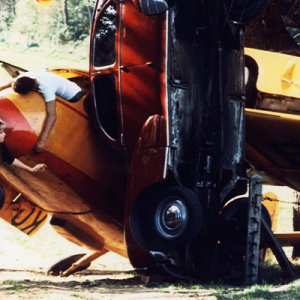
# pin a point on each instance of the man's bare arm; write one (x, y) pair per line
(36, 168)
(5, 86)
(49, 123)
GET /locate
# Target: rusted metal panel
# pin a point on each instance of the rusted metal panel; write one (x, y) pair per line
(253, 232)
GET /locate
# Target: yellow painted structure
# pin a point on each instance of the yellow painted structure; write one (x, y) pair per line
(278, 73)
(20, 212)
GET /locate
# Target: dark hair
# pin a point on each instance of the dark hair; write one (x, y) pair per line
(23, 85)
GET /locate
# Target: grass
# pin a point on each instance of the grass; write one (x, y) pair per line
(255, 292)
(12, 286)
(273, 284)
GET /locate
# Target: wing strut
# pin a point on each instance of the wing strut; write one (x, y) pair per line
(85, 260)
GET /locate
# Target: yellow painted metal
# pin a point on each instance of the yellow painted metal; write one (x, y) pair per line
(69, 73)
(271, 114)
(20, 212)
(55, 195)
(72, 139)
(278, 73)
(272, 206)
(273, 209)
(265, 129)
(288, 238)
(71, 118)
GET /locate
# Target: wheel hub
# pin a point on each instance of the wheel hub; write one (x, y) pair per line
(171, 218)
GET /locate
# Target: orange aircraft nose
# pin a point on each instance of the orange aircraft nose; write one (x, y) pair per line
(20, 137)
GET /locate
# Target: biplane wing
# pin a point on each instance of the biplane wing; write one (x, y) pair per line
(12, 70)
(20, 212)
(73, 191)
(273, 119)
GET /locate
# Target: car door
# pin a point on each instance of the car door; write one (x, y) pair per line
(104, 73)
(139, 71)
(105, 102)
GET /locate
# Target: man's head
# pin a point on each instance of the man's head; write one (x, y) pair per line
(2, 133)
(23, 85)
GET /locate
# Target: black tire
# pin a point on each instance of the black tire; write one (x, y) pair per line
(243, 11)
(234, 218)
(2, 196)
(157, 228)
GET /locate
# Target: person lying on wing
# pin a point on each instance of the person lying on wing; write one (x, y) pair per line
(49, 85)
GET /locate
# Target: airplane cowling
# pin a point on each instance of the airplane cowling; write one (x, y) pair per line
(20, 136)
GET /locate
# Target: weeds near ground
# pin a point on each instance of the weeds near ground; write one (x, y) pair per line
(13, 286)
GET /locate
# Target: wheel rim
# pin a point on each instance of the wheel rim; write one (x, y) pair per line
(171, 218)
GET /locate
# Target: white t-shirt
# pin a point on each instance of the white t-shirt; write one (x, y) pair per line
(51, 85)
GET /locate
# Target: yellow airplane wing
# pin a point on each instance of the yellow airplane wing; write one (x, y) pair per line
(278, 73)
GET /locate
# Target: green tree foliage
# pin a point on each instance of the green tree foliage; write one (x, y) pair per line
(104, 38)
(77, 22)
(7, 14)
(277, 29)
(64, 21)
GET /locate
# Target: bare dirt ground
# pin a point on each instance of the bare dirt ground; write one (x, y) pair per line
(98, 282)
(23, 261)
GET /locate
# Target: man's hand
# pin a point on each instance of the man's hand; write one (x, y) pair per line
(39, 168)
(40, 146)
(5, 86)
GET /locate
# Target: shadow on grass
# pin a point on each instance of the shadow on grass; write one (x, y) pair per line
(69, 285)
